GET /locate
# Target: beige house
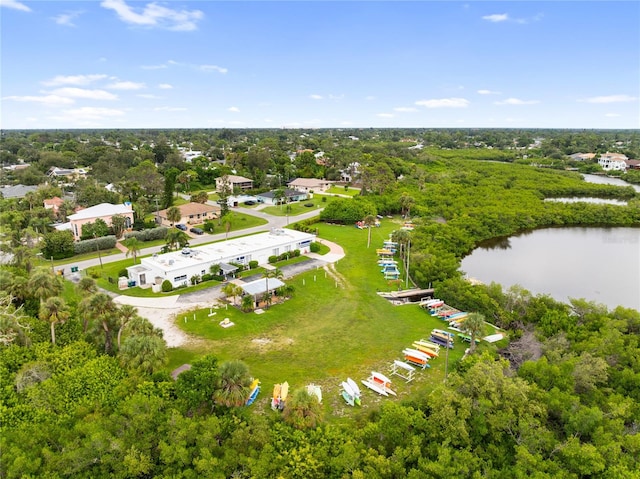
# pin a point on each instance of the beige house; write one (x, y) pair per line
(192, 213)
(231, 182)
(104, 211)
(310, 185)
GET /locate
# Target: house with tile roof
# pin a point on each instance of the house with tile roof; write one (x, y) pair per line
(191, 214)
(103, 211)
(231, 182)
(310, 185)
(613, 161)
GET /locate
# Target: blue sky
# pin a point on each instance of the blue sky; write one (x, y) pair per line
(209, 64)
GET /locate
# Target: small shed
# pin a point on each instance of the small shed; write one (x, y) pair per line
(258, 288)
(227, 270)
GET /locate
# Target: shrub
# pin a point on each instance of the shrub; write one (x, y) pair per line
(296, 253)
(123, 273)
(273, 259)
(149, 234)
(314, 247)
(167, 286)
(207, 277)
(253, 264)
(195, 279)
(91, 245)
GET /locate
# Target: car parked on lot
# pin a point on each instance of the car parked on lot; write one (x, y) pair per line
(182, 227)
(249, 202)
(197, 231)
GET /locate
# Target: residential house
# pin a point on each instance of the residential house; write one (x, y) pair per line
(310, 185)
(66, 173)
(269, 198)
(179, 266)
(582, 156)
(613, 161)
(231, 182)
(104, 211)
(53, 204)
(191, 214)
(633, 164)
(16, 191)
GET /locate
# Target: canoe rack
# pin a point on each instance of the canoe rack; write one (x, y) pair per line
(405, 371)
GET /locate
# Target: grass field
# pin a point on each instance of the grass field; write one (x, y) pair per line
(334, 326)
(297, 208)
(338, 190)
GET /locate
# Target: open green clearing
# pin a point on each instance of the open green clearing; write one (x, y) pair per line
(337, 190)
(334, 326)
(297, 208)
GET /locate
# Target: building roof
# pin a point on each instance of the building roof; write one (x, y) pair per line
(287, 192)
(227, 268)
(17, 191)
(224, 250)
(192, 209)
(235, 179)
(259, 286)
(98, 211)
(309, 182)
(56, 201)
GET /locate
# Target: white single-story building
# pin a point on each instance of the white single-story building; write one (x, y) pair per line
(180, 266)
(309, 185)
(269, 197)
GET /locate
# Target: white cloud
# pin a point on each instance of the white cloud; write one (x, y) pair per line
(45, 99)
(66, 19)
(315, 97)
(444, 103)
(210, 68)
(170, 108)
(234, 109)
(496, 17)
(155, 15)
(148, 96)
(126, 85)
(488, 92)
(15, 5)
(77, 80)
(89, 113)
(516, 101)
(405, 109)
(612, 115)
(71, 92)
(385, 115)
(370, 98)
(610, 99)
(165, 86)
(154, 67)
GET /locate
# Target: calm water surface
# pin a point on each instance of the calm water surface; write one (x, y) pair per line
(597, 264)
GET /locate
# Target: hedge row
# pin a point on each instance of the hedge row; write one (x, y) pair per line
(148, 235)
(87, 246)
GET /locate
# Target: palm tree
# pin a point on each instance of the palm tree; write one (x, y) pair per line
(474, 326)
(270, 273)
(406, 202)
(145, 354)
(247, 303)
(126, 313)
(54, 310)
(303, 410)
(232, 290)
(176, 237)
(87, 286)
(369, 221)
(133, 247)
(43, 284)
(103, 311)
(174, 215)
(233, 386)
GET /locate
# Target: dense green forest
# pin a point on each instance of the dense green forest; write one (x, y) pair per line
(84, 390)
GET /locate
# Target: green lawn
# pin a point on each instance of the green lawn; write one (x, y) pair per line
(338, 190)
(296, 208)
(329, 330)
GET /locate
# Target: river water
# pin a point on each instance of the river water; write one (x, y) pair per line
(597, 264)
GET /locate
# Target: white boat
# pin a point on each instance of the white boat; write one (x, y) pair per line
(383, 381)
(348, 394)
(374, 387)
(314, 390)
(354, 387)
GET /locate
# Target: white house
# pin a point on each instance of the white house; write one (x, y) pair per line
(269, 197)
(180, 266)
(613, 161)
(309, 185)
(104, 211)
